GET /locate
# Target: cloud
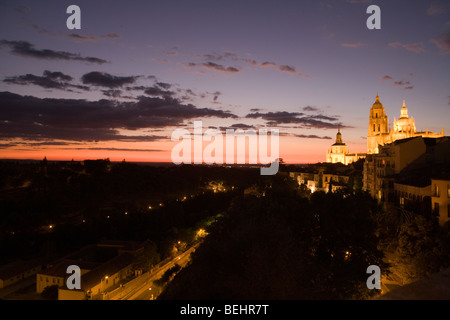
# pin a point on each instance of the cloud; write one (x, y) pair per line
(236, 126)
(26, 49)
(218, 67)
(436, 9)
(93, 38)
(213, 67)
(311, 136)
(114, 149)
(160, 60)
(112, 36)
(352, 44)
(49, 80)
(401, 83)
(310, 108)
(113, 93)
(268, 64)
(83, 38)
(158, 92)
(417, 47)
(284, 117)
(286, 68)
(211, 56)
(34, 118)
(442, 42)
(217, 62)
(103, 79)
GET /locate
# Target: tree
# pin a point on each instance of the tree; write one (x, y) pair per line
(147, 258)
(50, 292)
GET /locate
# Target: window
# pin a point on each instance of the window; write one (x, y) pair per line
(374, 127)
(436, 191)
(378, 128)
(448, 191)
(436, 209)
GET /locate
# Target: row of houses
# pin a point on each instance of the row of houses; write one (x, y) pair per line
(412, 174)
(327, 177)
(103, 267)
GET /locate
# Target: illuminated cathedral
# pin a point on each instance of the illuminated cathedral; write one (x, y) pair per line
(379, 133)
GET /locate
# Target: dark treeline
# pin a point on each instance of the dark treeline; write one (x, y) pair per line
(88, 202)
(291, 245)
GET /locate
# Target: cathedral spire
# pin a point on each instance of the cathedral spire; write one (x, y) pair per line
(404, 111)
(339, 137)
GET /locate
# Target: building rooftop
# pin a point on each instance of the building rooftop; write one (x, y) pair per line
(60, 268)
(14, 268)
(109, 268)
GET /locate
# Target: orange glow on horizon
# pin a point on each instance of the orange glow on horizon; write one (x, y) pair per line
(292, 151)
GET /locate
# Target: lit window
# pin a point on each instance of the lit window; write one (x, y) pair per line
(448, 191)
(436, 191)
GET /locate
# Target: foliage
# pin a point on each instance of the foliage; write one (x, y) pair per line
(282, 246)
(50, 292)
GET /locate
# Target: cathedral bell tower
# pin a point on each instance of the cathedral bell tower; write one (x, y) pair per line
(378, 126)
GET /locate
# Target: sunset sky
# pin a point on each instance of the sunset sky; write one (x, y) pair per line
(138, 70)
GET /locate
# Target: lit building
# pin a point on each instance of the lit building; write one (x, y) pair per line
(326, 177)
(379, 132)
(339, 152)
(102, 266)
(411, 175)
(440, 199)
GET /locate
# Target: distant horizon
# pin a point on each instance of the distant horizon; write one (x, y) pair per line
(154, 162)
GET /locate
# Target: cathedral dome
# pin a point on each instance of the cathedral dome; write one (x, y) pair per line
(339, 139)
(404, 111)
(404, 123)
(377, 103)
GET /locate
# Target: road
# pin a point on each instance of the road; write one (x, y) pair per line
(144, 290)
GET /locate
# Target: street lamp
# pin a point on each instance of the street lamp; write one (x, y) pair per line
(101, 283)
